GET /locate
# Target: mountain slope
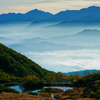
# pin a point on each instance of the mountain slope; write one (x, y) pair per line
(16, 64)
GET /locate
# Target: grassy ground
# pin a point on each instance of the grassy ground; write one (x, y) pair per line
(24, 96)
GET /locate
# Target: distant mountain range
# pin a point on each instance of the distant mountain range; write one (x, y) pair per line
(81, 72)
(32, 15)
(91, 13)
(85, 15)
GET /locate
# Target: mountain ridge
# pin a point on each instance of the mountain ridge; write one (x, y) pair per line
(75, 14)
(89, 14)
(32, 15)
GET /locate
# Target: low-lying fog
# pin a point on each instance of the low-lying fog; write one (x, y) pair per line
(55, 48)
(67, 60)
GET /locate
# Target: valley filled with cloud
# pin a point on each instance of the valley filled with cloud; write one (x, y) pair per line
(56, 42)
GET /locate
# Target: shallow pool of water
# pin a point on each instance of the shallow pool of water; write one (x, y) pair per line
(20, 89)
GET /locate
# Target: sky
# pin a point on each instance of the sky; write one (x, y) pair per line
(52, 6)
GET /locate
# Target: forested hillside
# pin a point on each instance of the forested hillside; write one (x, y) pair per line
(17, 64)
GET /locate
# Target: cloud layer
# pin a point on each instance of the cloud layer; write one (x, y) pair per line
(67, 60)
(52, 6)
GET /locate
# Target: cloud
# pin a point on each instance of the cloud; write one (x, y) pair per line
(67, 60)
(52, 6)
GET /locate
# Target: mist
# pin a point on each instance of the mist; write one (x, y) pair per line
(43, 44)
(67, 61)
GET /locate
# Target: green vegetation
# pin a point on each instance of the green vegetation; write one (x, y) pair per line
(16, 64)
(6, 78)
(54, 77)
(88, 79)
(29, 77)
(91, 82)
(31, 84)
(16, 68)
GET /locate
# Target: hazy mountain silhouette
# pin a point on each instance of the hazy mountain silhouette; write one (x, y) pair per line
(19, 48)
(81, 72)
(89, 32)
(80, 22)
(46, 46)
(34, 40)
(29, 16)
(3, 38)
(6, 41)
(85, 38)
(43, 46)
